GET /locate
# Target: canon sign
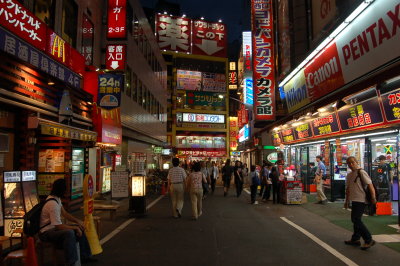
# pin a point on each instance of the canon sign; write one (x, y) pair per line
(323, 73)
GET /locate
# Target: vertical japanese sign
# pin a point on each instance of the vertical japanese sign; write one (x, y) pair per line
(110, 90)
(233, 77)
(233, 133)
(247, 68)
(263, 59)
(21, 22)
(116, 24)
(87, 40)
(115, 57)
(173, 33)
(327, 153)
(209, 38)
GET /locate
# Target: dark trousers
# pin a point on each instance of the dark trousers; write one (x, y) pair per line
(262, 186)
(239, 187)
(360, 230)
(66, 240)
(275, 192)
(253, 193)
(267, 192)
(213, 181)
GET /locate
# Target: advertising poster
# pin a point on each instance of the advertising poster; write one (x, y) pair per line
(119, 184)
(188, 80)
(296, 93)
(303, 131)
(325, 125)
(110, 85)
(213, 82)
(51, 161)
(209, 38)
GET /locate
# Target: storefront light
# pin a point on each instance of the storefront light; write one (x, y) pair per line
(370, 134)
(138, 186)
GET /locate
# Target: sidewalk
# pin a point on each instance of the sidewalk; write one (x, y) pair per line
(383, 228)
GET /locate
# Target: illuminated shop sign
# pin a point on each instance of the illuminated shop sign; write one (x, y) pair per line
(277, 138)
(391, 105)
(201, 118)
(209, 38)
(116, 19)
(110, 90)
(248, 91)
(173, 33)
(325, 125)
(115, 57)
(303, 131)
(288, 135)
(263, 59)
(244, 133)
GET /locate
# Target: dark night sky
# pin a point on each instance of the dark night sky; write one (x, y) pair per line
(230, 11)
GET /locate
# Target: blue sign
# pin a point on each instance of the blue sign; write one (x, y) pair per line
(244, 133)
(24, 51)
(110, 90)
(248, 91)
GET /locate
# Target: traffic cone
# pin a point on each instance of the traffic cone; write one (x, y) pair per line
(91, 235)
(30, 258)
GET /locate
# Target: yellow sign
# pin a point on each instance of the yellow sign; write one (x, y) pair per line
(58, 47)
(67, 132)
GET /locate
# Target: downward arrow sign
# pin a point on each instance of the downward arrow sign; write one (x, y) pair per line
(209, 46)
(114, 64)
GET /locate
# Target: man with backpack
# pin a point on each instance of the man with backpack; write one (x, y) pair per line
(63, 236)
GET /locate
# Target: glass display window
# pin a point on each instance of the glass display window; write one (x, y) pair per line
(200, 142)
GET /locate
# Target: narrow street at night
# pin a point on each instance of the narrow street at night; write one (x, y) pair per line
(233, 232)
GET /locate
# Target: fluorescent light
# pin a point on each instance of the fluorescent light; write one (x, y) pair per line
(374, 140)
(370, 134)
(357, 11)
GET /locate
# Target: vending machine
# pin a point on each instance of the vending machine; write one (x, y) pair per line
(78, 171)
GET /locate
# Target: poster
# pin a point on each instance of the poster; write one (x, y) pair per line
(51, 161)
(119, 184)
(188, 80)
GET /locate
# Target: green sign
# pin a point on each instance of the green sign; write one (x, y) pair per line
(157, 149)
(269, 148)
(195, 98)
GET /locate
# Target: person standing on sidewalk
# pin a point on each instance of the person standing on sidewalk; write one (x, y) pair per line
(238, 178)
(264, 177)
(195, 188)
(227, 172)
(214, 173)
(274, 176)
(321, 172)
(355, 193)
(176, 181)
(254, 183)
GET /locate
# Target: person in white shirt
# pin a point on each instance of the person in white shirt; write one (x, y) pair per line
(214, 174)
(357, 181)
(176, 184)
(62, 235)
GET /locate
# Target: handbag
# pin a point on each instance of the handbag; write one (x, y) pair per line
(368, 195)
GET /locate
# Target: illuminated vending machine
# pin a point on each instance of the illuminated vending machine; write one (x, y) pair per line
(78, 172)
(20, 195)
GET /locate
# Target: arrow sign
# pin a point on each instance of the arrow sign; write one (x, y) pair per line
(209, 46)
(114, 65)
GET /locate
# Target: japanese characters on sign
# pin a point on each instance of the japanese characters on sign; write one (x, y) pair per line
(361, 115)
(243, 116)
(213, 82)
(209, 38)
(115, 57)
(391, 105)
(14, 46)
(201, 153)
(244, 133)
(277, 138)
(263, 59)
(28, 175)
(288, 135)
(325, 125)
(200, 118)
(173, 33)
(303, 131)
(10, 177)
(116, 23)
(68, 132)
(188, 80)
(17, 19)
(110, 90)
(247, 69)
(194, 98)
(233, 133)
(233, 80)
(87, 40)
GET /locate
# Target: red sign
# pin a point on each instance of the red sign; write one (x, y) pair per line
(233, 79)
(324, 73)
(115, 57)
(173, 33)
(263, 59)
(201, 153)
(108, 125)
(58, 48)
(209, 38)
(243, 117)
(116, 24)
(20, 21)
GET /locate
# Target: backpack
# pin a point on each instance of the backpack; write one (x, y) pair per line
(32, 219)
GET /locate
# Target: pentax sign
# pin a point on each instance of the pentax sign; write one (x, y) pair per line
(116, 24)
(115, 57)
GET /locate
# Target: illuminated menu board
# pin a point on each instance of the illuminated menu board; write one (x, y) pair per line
(277, 138)
(391, 105)
(288, 135)
(325, 125)
(303, 131)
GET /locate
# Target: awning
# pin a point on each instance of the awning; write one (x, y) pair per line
(60, 130)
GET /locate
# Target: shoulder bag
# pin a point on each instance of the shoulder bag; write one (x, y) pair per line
(368, 195)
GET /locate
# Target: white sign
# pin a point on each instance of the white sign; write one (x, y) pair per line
(28, 175)
(202, 118)
(119, 184)
(10, 177)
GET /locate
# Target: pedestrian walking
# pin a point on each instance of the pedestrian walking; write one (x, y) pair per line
(238, 178)
(227, 172)
(63, 236)
(245, 173)
(264, 176)
(268, 183)
(176, 183)
(319, 181)
(274, 176)
(195, 188)
(357, 182)
(205, 171)
(214, 174)
(254, 183)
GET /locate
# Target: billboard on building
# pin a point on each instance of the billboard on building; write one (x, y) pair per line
(263, 59)
(247, 68)
(209, 38)
(174, 33)
(116, 20)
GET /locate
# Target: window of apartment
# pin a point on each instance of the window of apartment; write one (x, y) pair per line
(45, 10)
(69, 21)
(134, 87)
(128, 81)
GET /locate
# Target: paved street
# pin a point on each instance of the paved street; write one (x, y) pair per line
(233, 232)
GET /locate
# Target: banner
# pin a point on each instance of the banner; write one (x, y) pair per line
(325, 125)
(109, 95)
(116, 23)
(174, 33)
(194, 98)
(263, 59)
(296, 94)
(391, 105)
(303, 131)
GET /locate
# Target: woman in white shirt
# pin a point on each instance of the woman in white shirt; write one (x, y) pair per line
(195, 188)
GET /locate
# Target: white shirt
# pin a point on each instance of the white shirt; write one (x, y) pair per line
(356, 190)
(51, 213)
(176, 175)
